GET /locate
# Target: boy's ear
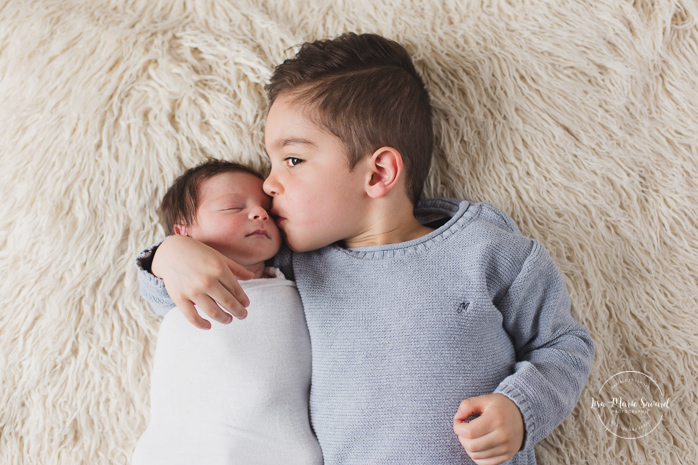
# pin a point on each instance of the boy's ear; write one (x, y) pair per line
(385, 170)
(182, 230)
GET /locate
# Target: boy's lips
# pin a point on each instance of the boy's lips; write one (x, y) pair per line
(278, 219)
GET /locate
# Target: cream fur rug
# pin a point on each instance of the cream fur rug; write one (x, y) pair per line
(580, 119)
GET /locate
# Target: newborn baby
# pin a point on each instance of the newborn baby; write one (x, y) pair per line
(237, 393)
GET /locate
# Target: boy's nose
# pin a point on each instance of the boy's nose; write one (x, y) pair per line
(271, 187)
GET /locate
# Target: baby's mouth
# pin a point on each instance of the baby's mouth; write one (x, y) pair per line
(259, 232)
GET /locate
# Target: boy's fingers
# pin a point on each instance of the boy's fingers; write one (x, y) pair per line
(469, 407)
(486, 439)
(228, 278)
(476, 428)
(484, 447)
(218, 312)
(239, 271)
(487, 450)
(231, 297)
(190, 313)
(471, 431)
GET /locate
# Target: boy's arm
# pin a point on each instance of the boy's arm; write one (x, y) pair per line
(151, 287)
(193, 274)
(553, 352)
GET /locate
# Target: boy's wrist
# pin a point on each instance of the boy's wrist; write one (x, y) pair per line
(518, 399)
(153, 269)
(157, 265)
(144, 260)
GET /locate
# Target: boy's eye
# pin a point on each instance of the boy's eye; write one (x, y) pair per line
(232, 209)
(293, 161)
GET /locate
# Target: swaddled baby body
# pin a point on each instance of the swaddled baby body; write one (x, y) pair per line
(237, 393)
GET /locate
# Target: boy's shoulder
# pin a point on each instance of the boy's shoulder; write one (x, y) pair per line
(483, 216)
(486, 244)
(283, 261)
(479, 234)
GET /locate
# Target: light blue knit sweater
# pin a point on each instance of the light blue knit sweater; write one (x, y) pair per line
(402, 333)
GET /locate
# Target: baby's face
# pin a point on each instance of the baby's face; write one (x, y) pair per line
(233, 218)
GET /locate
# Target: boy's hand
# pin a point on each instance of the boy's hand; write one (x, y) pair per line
(196, 274)
(496, 435)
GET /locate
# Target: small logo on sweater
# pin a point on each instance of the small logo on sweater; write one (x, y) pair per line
(462, 307)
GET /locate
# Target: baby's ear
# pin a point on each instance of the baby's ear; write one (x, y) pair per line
(182, 230)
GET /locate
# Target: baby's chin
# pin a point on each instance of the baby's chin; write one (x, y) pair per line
(252, 260)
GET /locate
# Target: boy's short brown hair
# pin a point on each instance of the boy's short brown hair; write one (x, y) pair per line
(365, 90)
(181, 201)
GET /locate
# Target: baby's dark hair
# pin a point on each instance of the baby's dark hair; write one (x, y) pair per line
(365, 90)
(181, 201)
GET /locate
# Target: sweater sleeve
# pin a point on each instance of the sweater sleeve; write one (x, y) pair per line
(554, 353)
(151, 287)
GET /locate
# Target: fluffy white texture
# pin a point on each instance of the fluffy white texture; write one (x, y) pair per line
(580, 119)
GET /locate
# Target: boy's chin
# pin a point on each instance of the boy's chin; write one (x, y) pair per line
(298, 249)
(303, 246)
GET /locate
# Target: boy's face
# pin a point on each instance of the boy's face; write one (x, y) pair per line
(233, 218)
(317, 199)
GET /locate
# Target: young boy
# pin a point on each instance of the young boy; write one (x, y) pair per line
(237, 393)
(422, 314)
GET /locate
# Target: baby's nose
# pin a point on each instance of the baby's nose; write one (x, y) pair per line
(258, 213)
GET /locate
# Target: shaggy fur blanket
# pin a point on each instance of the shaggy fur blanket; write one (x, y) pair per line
(578, 118)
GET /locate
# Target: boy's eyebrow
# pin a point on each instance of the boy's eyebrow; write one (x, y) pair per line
(293, 141)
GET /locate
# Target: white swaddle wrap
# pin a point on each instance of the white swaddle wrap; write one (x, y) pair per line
(238, 393)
